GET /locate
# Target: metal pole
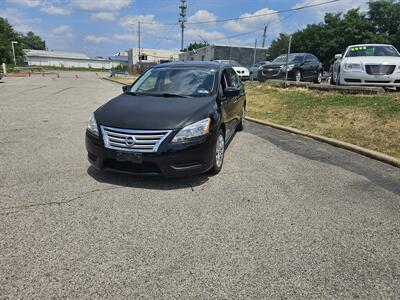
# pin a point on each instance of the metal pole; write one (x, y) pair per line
(264, 35)
(13, 50)
(287, 59)
(255, 52)
(139, 52)
(182, 20)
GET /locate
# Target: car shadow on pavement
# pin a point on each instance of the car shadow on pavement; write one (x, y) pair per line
(147, 182)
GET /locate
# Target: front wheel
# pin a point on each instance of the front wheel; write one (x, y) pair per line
(298, 76)
(240, 127)
(338, 78)
(318, 79)
(219, 152)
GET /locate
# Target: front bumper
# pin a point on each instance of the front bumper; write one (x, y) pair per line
(362, 78)
(171, 160)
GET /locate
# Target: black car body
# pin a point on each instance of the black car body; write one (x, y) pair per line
(141, 132)
(301, 67)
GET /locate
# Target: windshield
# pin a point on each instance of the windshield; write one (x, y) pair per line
(371, 51)
(293, 58)
(186, 82)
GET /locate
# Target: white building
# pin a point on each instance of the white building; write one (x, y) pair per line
(152, 56)
(68, 60)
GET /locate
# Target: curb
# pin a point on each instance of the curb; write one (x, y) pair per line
(357, 149)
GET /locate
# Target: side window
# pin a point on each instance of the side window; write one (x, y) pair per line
(233, 79)
(223, 84)
(315, 58)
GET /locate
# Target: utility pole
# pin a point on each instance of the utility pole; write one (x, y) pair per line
(255, 52)
(139, 52)
(182, 19)
(13, 50)
(264, 35)
(287, 58)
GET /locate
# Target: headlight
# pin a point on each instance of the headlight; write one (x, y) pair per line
(193, 131)
(352, 66)
(92, 125)
(289, 67)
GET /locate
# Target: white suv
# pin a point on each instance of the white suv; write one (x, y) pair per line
(368, 64)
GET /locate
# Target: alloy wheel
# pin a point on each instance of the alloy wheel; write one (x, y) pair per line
(298, 76)
(219, 151)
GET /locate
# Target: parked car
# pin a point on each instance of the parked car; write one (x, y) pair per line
(301, 67)
(367, 64)
(255, 68)
(242, 72)
(175, 120)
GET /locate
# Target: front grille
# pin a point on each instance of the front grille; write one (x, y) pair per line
(352, 80)
(133, 140)
(377, 81)
(126, 166)
(380, 69)
(271, 71)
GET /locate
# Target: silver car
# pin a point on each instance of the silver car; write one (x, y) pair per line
(254, 69)
(367, 64)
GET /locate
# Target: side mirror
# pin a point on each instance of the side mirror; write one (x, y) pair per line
(125, 88)
(338, 56)
(231, 92)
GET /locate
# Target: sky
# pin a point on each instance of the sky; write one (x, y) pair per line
(104, 27)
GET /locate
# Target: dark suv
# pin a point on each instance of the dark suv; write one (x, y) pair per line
(174, 120)
(301, 67)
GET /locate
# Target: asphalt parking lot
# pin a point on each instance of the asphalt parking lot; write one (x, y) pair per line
(288, 217)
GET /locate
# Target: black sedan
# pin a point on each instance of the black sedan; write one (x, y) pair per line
(300, 67)
(174, 120)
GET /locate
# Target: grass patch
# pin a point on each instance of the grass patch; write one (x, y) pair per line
(372, 121)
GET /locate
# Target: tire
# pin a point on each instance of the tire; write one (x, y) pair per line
(240, 127)
(331, 81)
(318, 79)
(219, 151)
(298, 76)
(337, 82)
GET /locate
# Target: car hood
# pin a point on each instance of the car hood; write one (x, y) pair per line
(276, 65)
(148, 112)
(390, 60)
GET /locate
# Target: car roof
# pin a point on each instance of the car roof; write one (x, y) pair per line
(360, 45)
(189, 64)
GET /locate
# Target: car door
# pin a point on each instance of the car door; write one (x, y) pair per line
(316, 66)
(238, 101)
(307, 67)
(227, 105)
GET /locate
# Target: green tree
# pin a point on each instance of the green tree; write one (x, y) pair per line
(381, 24)
(194, 46)
(279, 46)
(32, 41)
(7, 34)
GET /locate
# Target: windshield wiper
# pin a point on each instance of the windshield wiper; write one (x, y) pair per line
(169, 95)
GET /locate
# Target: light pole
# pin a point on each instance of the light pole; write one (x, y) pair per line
(13, 50)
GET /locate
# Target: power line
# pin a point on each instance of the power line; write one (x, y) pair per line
(249, 17)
